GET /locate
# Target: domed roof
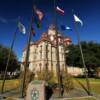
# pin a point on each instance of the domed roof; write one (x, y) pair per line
(53, 27)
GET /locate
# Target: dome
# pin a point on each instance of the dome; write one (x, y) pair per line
(53, 27)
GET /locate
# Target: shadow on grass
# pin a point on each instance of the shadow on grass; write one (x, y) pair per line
(84, 88)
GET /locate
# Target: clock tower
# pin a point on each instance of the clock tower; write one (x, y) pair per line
(52, 32)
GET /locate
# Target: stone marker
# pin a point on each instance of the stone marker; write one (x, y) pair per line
(36, 90)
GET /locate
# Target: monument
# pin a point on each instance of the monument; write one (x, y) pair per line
(36, 91)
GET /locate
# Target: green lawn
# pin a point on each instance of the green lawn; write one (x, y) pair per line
(95, 86)
(10, 84)
(94, 83)
(83, 99)
(60, 99)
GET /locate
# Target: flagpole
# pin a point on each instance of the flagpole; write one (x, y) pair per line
(9, 55)
(64, 54)
(83, 61)
(57, 55)
(47, 54)
(27, 58)
(51, 59)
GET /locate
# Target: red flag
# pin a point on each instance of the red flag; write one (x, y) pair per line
(32, 30)
(38, 13)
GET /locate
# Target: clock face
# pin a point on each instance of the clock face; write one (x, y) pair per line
(35, 94)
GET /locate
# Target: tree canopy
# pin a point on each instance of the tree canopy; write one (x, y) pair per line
(91, 52)
(13, 63)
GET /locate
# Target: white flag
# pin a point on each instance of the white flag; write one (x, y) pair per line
(60, 10)
(21, 27)
(78, 20)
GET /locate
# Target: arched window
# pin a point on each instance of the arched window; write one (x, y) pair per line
(41, 52)
(40, 65)
(46, 65)
(63, 67)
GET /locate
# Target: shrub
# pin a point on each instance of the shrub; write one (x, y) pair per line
(67, 82)
(29, 75)
(47, 76)
(9, 98)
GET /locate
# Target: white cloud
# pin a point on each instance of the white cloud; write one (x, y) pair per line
(3, 20)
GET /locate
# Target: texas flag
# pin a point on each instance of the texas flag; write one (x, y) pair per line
(58, 9)
(39, 14)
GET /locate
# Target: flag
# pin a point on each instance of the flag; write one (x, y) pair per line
(76, 19)
(32, 30)
(36, 21)
(38, 16)
(38, 13)
(63, 27)
(60, 10)
(21, 27)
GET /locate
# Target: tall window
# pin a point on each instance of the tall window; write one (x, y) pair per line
(46, 50)
(62, 56)
(40, 66)
(35, 53)
(41, 52)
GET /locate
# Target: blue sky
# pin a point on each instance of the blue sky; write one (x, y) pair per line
(87, 10)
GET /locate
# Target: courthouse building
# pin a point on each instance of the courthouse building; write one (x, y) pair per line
(43, 51)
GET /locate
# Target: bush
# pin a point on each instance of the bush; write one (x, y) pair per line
(67, 82)
(47, 76)
(29, 75)
(51, 79)
(9, 98)
(80, 76)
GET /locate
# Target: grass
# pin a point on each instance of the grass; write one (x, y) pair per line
(9, 98)
(10, 84)
(86, 98)
(94, 83)
(83, 99)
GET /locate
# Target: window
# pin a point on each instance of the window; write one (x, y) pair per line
(41, 52)
(62, 55)
(40, 66)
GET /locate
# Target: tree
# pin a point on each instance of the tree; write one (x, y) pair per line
(91, 51)
(13, 63)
